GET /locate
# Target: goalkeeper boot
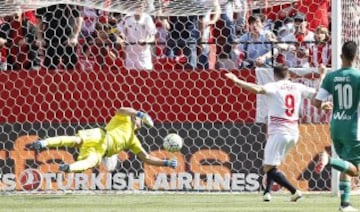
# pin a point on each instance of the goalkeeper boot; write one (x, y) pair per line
(295, 197)
(348, 208)
(37, 145)
(64, 167)
(323, 161)
(267, 197)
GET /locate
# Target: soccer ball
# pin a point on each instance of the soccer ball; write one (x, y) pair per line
(173, 142)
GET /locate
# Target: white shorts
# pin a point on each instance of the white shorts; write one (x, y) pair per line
(110, 162)
(276, 148)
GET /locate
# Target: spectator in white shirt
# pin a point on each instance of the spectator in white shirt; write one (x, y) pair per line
(297, 55)
(138, 31)
(91, 17)
(321, 51)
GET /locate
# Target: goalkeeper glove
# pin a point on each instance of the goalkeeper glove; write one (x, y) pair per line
(171, 163)
(145, 118)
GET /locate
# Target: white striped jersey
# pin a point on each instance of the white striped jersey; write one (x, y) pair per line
(283, 102)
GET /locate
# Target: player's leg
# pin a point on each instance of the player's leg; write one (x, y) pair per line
(269, 183)
(275, 150)
(345, 189)
(291, 141)
(344, 186)
(350, 150)
(344, 166)
(270, 146)
(92, 148)
(91, 161)
(349, 162)
(59, 141)
(275, 175)
(62, 141)
(346, 150)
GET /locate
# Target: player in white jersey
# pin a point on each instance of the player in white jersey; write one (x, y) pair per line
(284, 99)
(138, 31)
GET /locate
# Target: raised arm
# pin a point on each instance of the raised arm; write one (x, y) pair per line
(324, 105)
(321, 94)
(253, 88)
(322, 71)
(140, 114)
(217, 13)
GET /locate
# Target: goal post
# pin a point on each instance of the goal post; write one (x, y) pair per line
(336, 41)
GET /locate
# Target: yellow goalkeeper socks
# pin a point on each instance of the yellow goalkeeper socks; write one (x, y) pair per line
(60, 141)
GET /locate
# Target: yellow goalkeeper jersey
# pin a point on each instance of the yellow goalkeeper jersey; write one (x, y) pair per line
(120, 129)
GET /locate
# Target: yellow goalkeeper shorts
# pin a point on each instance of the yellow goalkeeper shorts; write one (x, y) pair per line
(93, 142)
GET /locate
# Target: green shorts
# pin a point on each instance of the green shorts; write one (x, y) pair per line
(348, 150)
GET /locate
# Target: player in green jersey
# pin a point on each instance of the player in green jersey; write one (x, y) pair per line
(344, 87)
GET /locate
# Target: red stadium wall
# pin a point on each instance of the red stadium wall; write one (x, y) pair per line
(93, 96)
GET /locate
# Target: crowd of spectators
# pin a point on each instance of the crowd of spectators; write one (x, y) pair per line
(228, 35)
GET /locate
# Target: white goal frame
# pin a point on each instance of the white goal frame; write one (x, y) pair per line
(336, 42)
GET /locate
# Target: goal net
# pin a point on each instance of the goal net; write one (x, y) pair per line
(69, 65)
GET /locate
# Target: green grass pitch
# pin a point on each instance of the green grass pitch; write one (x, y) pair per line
(169, 202)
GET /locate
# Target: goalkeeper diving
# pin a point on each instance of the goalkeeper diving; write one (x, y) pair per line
(102, 145)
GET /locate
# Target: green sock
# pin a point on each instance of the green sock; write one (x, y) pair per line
(339, 164)
(345, 187)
